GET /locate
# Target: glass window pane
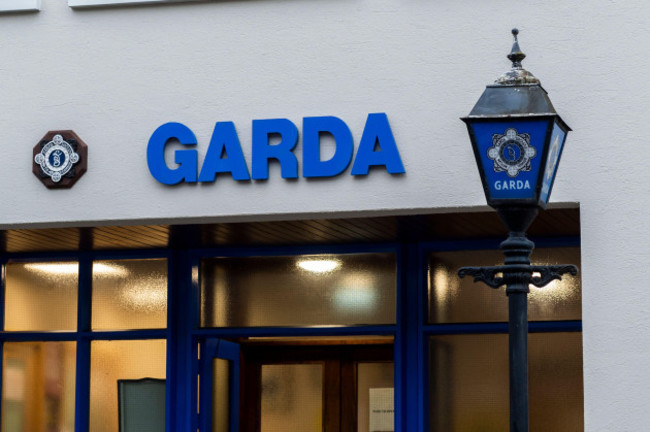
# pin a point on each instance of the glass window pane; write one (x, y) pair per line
(452, 299)
(41, 296)
(38, 386)
(129, 294)
(375, 397)
(298, 290)
(292, 398)
(469, 382)
(111, 361)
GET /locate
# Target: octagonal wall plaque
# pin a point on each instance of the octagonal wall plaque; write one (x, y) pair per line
(60, 159)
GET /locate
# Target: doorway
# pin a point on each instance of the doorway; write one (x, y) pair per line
(315, 385)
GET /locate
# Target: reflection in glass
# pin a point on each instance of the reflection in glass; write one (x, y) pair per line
(454, 300)
(38, 386)
(298, 290)
(468, 388)
(292, 398)
(129, 294)
(41, 296)
(220, 395)
(111, 361)
(375, 387)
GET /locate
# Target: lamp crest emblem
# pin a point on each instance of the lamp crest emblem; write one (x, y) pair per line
(56, 158)
(511, 152)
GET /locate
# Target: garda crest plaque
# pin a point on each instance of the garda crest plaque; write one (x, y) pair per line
(511, 152)
(60, 159)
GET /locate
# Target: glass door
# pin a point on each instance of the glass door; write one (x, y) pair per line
(318, 387)
(219, 386)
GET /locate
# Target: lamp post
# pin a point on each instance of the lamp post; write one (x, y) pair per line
(517, 137)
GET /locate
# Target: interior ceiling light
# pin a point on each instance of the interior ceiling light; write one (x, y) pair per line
(67, 268)
(72, 268)
(319, 265)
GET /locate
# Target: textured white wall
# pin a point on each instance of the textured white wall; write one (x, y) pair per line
(115, 74)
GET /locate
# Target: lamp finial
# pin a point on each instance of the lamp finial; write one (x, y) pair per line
(517, 75)
(516, 55)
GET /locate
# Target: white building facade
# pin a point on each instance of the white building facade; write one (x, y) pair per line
(115, 71)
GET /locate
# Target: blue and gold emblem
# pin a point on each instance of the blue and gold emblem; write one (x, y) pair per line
(511, 152)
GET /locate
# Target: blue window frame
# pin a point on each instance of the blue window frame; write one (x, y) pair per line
(183, 333)
(84, 335)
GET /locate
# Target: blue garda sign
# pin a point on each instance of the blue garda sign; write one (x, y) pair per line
(510, 153)
(274, 141)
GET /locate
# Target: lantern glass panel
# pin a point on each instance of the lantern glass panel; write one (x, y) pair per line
(510, 156)
(552, 161)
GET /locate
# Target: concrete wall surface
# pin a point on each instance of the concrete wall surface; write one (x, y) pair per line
(114, 74)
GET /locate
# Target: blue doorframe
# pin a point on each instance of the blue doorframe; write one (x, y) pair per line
(198, 334)
(218, 349)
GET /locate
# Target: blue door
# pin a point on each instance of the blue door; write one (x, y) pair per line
(219, 386)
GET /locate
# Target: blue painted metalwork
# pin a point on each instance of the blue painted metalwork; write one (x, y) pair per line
(3, 266)
(84, 325)
(3, 263)
(171, 383)
(181, 352)
(400, 345)
(421, 279)
(191, 341)
(228, 332)
(218, 349)
(183, 332)
(407, 343)
(84, 295)
(15, 336)
(554, 326)
(500, 327)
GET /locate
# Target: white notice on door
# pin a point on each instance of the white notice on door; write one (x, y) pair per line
(382, 410)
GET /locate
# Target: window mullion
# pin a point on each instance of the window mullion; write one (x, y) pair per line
(3, 265)
(84, 319)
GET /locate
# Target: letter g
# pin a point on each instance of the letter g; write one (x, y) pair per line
(186, 159)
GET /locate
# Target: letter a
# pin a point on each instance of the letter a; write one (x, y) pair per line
(377, 133)
(224, 142)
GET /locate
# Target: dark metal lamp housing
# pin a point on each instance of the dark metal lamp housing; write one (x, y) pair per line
(517, 137)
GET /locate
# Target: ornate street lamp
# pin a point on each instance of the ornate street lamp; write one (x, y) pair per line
(517, 137)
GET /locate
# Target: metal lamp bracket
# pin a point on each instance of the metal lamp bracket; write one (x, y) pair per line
(517, 274)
